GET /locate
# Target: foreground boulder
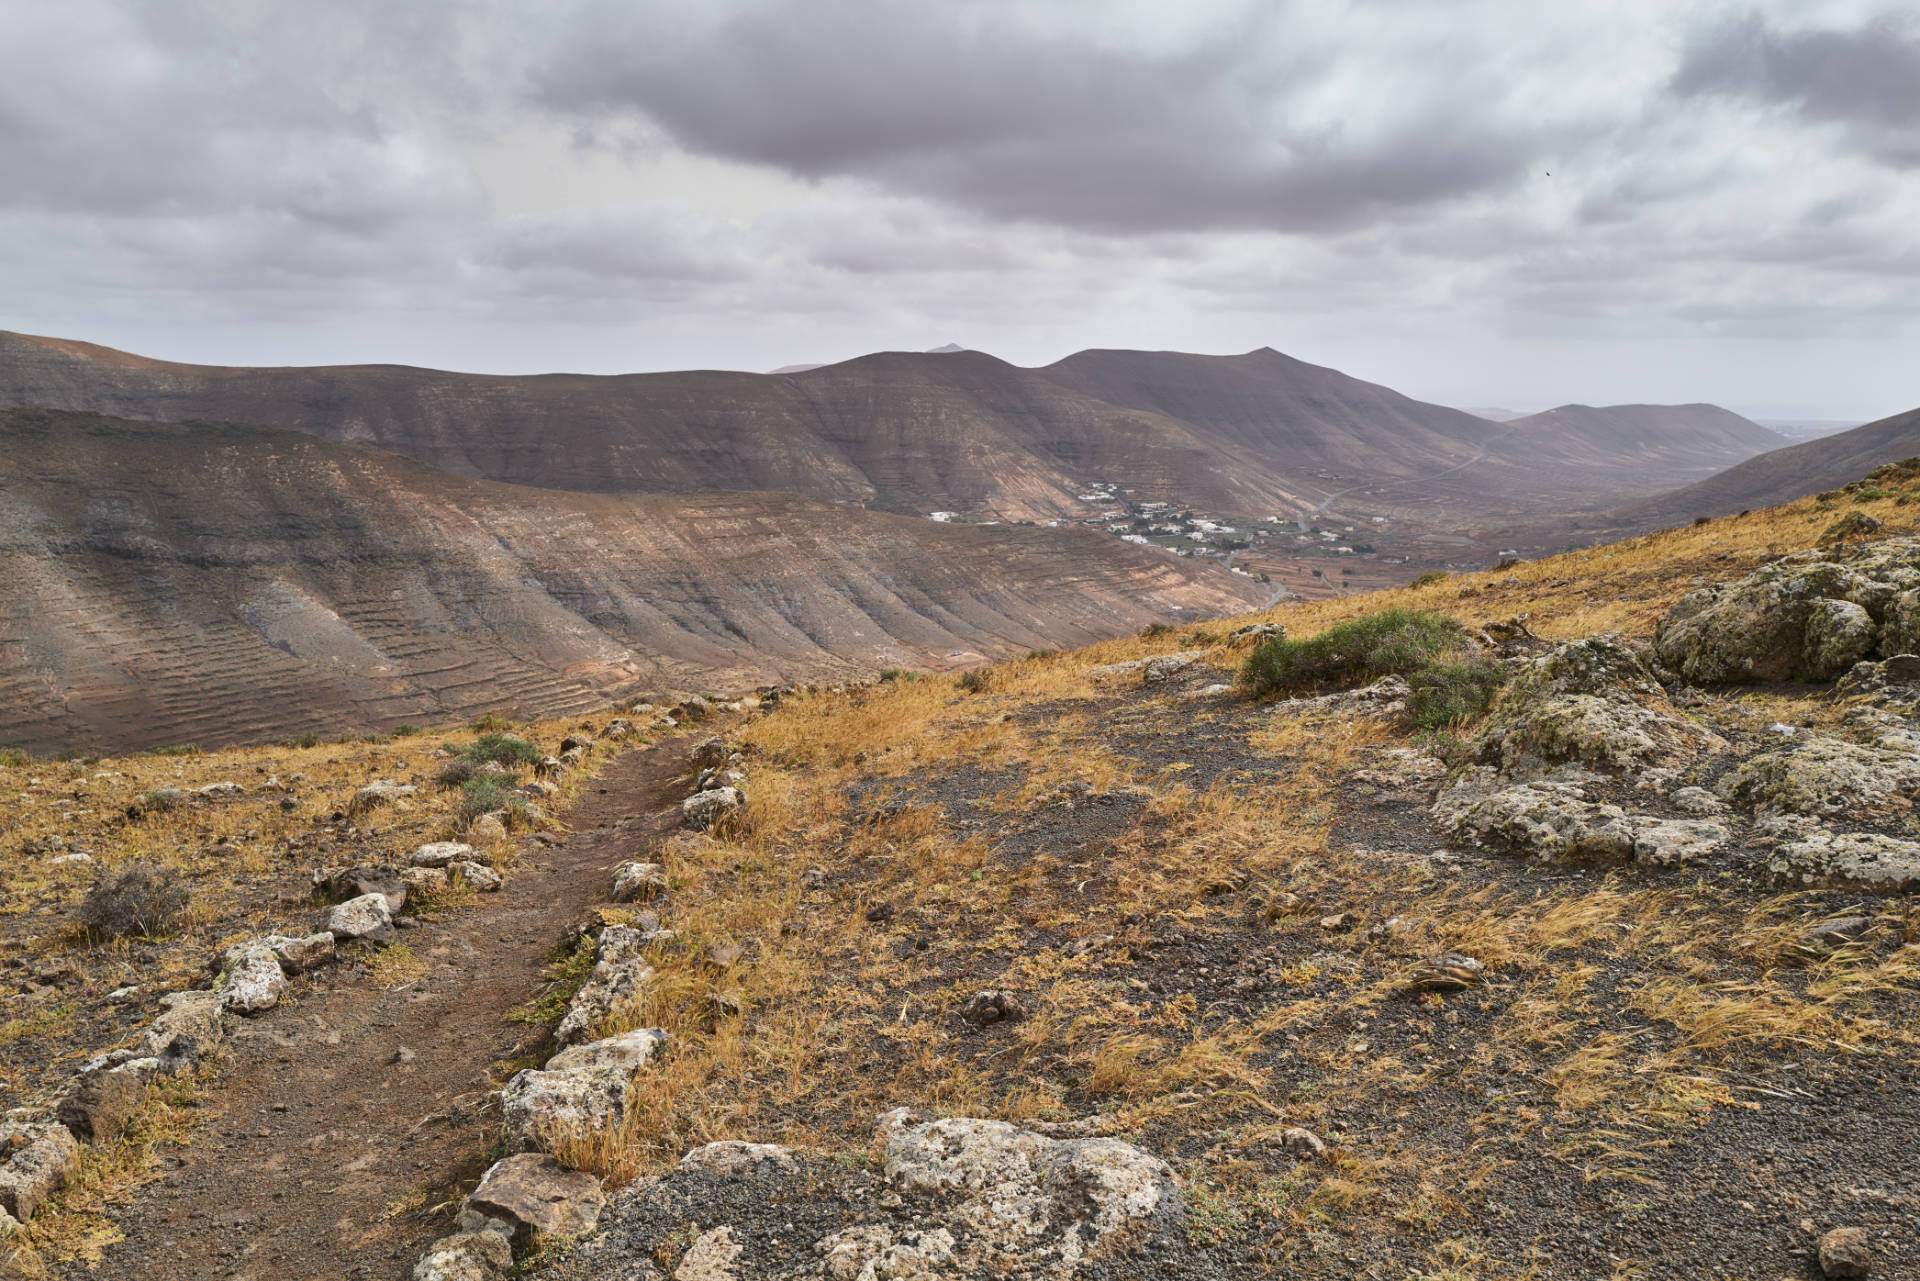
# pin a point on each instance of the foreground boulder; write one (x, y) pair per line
(580, 1093)
(253, 982)
(532, 1194)
(1818, 776)
(364, 918)
(188, 1028)
(959, 1197)
(1558, 821)
(1863, 860)
(470, 1256)
(36, 1160)
(1812, 615)
(620, 973)
(711, 809)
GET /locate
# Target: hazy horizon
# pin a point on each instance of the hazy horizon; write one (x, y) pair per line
(1595, 203)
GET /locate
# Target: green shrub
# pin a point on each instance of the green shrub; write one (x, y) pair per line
(492, 723)
(14, 758)
(1429, 578)
(1448, 694)
(1154, 630)
(458, 773)
(974, 680)
(1703, 520)
(178, 749)
(898, 674)
(80, 754)
(308, 739)
(406, 731)
(487, 793)
(1041, 655)
(1869, 494)
(1354, 652)
(509, 750)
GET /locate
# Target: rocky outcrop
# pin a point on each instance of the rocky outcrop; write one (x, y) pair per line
(582, 1091)
(36, 1160)
(1560, 822)
(957, 1197)
(530, 1195)
(1819, 775)
(1861, 860)
(1812, 615)
(620, 973)
(1582, 702)
(712, 809)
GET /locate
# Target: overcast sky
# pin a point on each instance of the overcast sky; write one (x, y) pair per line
(1479, 202)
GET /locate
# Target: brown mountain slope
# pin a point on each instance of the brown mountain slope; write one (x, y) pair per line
(212, 583)
(1782, 475)
(1253, 434)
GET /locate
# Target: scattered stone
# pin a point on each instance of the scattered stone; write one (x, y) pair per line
(618, 975)
(376, 794)
(424, 879)
(470, 1256)
(96, 1105)
(439, 853)
(1339, 921)
(253, 983)
(488, 830)
(709, 1258)
(543, 1108)
(1303, 1142)
(983, 1009)
(477, 875)
(217, 791)
(732, 1158)
(189, 1027)
(1555, 821)
(366, 917)
(531, 1194)
(618, 728)
(635, 882)
(629, 1051)
(1846, 1252)
(36, 1160)
(1447, 972)
(343, 883)
(711, 809)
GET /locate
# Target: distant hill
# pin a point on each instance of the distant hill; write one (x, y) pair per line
(1783, 474)
(1254, 434)
(200, 582)
(1493, 415)
(1619, 436)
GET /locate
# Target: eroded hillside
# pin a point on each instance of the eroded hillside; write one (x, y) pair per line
(1558, 925)
(170, 583)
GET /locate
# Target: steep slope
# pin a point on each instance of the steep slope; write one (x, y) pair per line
(1783, 475)
(213, 583)
(896, 431)
(1580, 456)
(1327, 425)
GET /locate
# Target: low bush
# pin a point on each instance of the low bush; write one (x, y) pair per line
(406, 731)
(1395, 641)
(178, 749)
(1429, 578)
(1869, 494)
(141, 900)
(14, 758)
(974, 680)
(509, 750)
(492, 723)
(487, 793)
(893, 675)
(1447, 694)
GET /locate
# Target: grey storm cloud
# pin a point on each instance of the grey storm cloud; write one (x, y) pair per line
(968, 107)
(1866, 77)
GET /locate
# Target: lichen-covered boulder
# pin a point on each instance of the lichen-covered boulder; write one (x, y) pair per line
(619, 975)
(366, 917)
(252, 983)
(712, 809)
(1820, 775)
(468, 1256)
(545, 1110)
(188, 1028)
(1849, 860)
(36, 1160)
(1812, 614)
(629, 1051)
(1675, 842)
(1549, 820)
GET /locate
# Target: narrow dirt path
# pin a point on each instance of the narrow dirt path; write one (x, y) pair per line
(321, 1126)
